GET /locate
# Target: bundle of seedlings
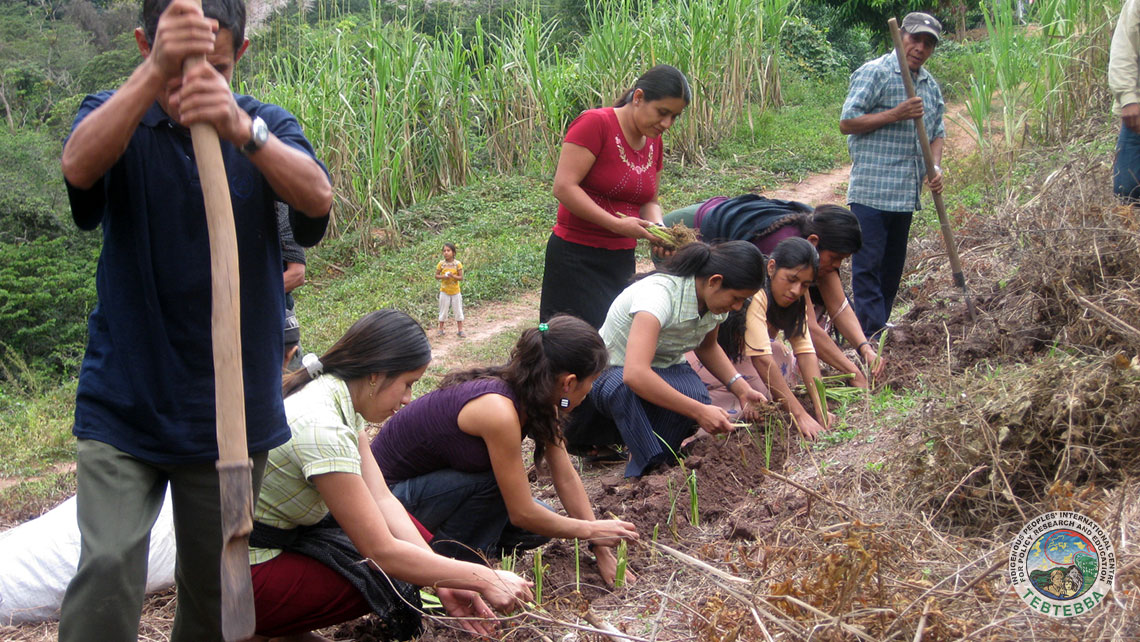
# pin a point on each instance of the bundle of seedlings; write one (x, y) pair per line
(997, 448)
(674, 237)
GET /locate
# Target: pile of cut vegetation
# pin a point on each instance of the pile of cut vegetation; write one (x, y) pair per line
(1015, 435)
(1061, 270)
(1047, 378)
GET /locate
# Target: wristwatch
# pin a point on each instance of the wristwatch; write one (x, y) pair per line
(258, 136)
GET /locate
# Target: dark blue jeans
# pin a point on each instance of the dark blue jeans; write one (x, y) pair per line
(465, 512)
(1126, 166)
(877, 268)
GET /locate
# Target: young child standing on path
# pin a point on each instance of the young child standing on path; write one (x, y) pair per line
(450, 273)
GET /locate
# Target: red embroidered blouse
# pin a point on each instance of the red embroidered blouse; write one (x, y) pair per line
(621, 180)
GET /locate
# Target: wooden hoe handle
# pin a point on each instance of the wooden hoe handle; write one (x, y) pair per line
(928, 158)
(234, 466)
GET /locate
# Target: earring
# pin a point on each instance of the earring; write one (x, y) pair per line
(564, 403)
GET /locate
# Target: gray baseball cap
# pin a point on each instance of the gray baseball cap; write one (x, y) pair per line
(918, 22)
(292, 328)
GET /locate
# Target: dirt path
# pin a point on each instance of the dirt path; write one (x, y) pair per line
(483, 323)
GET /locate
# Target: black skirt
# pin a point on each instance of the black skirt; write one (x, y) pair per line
(583, 280)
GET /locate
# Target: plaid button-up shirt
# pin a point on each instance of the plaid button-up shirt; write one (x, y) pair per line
(324, 427)
(887, 167)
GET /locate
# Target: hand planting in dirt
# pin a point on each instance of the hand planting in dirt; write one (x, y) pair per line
(608, 566)
(610, 532)
(807, 425)
(713, 419)
(507, 592)
(467, 604)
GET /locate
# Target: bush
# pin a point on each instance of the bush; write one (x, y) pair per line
(807, 49)
(32, 196)
(109, 69)
(47, 289)
(851, 39)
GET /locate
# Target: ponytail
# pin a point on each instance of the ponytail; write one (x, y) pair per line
(567, 345)
(385, 342)
(738, 262)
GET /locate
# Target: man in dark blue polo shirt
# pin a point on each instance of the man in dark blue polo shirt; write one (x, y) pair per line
(145, 404)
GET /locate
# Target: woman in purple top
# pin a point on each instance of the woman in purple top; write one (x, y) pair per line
(453, 457)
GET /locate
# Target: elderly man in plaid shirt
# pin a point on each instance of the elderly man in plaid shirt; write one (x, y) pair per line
(887, 168)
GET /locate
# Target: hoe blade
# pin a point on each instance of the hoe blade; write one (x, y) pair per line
(236, 485)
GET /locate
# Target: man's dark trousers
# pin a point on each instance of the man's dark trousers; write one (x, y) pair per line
(877, 268)
(1126, 166)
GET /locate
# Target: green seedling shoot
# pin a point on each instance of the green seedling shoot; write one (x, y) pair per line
(821, 390)
(695, 516)
(878, 355)
(539, 571)
(622, 560)
(673, 495)
(768, 444)
(653, 549)
(577, 567)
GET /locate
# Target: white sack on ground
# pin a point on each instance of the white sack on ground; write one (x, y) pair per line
(38, 559)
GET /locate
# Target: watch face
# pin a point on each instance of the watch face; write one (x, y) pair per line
(260, 132)
(258, 136)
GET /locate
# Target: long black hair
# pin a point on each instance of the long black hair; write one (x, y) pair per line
(835, 226)
(385, 342)
(791, 253)
(568, 345)
(663, 81)
(738, 262)
(837, 229)
(730, 333)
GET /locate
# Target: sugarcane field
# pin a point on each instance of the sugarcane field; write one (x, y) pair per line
(602, 321)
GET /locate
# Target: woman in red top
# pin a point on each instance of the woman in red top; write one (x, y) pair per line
(609, 164)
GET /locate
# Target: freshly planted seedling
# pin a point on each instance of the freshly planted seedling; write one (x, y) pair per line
(821, 390)
(539, 572)
(673, 495)
(507, 563)
(577, 567)
(694, 513)
(622, 561)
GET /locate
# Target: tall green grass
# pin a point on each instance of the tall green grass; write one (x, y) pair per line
(1045, 78)
(399, 115)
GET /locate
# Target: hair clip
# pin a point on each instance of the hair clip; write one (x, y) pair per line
(313, 364)
(542, 327)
